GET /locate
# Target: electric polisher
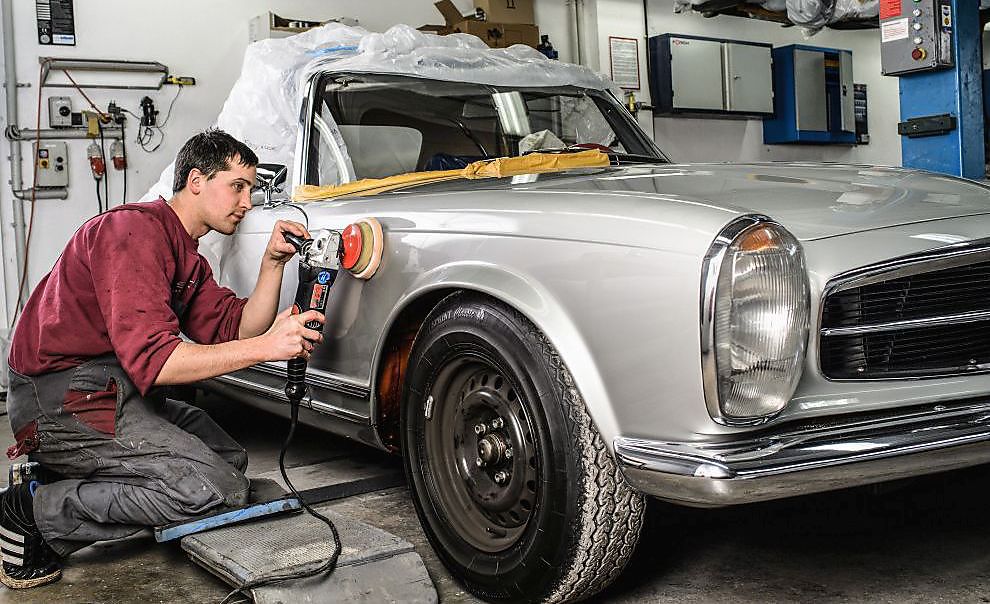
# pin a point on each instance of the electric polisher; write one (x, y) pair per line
(358, 250)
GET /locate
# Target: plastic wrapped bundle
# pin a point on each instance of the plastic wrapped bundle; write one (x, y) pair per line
(813, 15)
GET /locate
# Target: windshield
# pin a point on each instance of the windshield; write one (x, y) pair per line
(375, 126)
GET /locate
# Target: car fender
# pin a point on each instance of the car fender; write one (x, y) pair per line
(533, 300)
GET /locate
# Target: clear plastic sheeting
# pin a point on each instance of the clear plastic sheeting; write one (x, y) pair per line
(811, 15)
(263, 106)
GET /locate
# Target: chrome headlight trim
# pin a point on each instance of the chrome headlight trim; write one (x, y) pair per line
(711, 268)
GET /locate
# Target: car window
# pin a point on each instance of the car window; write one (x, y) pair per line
(374, 126)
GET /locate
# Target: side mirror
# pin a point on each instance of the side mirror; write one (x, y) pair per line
(270, 179)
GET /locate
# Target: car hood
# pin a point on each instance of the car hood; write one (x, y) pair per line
(813, 201)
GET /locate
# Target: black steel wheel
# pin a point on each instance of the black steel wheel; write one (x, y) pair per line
(512, 482)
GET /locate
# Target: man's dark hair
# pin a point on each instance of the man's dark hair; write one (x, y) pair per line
(210, 152)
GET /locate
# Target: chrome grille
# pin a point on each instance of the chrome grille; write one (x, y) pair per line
(920, 317)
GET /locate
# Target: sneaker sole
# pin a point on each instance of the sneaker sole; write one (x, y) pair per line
(28, 583)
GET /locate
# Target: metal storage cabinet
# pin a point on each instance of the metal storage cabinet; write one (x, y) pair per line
(706, 76)
(748, 72)
(815, 97)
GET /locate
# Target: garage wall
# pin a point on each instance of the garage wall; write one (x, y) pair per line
(207, 40)
(686, 139)
(194, 38)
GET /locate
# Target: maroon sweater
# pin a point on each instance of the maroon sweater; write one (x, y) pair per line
(126, 284)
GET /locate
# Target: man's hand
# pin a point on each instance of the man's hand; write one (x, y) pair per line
(279, 250)
(289, 338)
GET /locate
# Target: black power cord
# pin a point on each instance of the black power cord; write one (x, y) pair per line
(99, 201)
(106, 166)
(331, 563)
(123, 150)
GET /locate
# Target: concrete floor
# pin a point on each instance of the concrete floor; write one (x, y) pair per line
(921, 541)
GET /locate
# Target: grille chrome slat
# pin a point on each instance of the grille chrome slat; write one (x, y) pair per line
(969, 317)
(914, 317)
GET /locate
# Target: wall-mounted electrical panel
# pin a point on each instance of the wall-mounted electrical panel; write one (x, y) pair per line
(710, 77)
(815, 97)
(52, 161)
(59, 112)
(862, 115)
(915, 36)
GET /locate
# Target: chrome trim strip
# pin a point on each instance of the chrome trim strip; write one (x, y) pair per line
(279, 395)
(785, 465)
(956, 319)
(319, 379)
(949, 256)
(302, 139)
(710, 267)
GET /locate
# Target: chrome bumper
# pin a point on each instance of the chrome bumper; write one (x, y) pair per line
(810, 459)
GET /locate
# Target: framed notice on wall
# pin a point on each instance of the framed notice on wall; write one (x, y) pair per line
(624, 57)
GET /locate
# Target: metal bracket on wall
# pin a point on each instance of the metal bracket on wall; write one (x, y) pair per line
(929, 125)
(48, 64)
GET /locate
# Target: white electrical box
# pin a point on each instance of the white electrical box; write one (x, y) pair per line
(59, 112)
(52, 160)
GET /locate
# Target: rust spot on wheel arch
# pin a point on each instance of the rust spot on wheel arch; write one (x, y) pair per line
(393, 364)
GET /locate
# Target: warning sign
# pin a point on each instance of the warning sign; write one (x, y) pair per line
(890, 8)
(894, 30)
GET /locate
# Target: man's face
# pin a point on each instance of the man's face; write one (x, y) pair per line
(226, 197)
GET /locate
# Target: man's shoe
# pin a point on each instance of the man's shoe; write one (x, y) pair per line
(27, 559)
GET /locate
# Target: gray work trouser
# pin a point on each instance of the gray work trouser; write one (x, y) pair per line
(166, 461)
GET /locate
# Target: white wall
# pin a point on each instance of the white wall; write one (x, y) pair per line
(691, 139)
(194, 38)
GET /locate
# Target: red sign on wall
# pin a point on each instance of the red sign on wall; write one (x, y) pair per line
(890, 8)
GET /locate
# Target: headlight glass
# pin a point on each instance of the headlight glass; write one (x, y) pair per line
(758, 323)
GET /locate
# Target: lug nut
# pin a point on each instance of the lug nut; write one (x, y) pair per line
(478, 462)
(480, 429)
(508, 453)
(497, 423)
(501, 477)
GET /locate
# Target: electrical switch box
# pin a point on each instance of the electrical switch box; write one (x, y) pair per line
(52, 161)
(698, 76)
(59, 112)
(916, 35)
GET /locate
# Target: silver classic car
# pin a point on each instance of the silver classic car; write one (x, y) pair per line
(547, 349)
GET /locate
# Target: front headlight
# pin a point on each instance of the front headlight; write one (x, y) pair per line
(754, 321)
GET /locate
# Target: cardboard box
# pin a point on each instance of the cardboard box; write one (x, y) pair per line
(495, 34)
(500, 35)
(507, 11)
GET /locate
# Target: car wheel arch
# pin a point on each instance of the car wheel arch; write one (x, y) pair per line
(546, 313)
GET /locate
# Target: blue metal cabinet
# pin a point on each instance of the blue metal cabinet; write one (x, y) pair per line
(815, 97)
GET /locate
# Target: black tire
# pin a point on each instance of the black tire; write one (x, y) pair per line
(561, 522)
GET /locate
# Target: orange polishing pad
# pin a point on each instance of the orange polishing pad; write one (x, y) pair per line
(363, 243)
(351, 240)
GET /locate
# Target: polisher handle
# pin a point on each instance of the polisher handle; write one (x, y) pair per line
(295, 383)
(296, 241)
